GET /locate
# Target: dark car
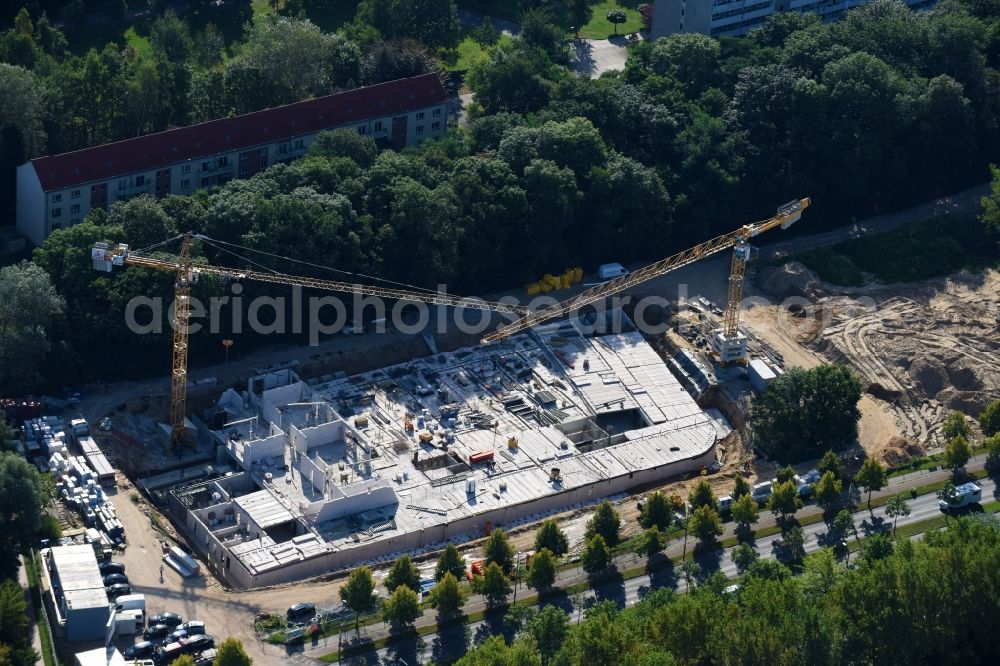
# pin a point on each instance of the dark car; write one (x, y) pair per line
(199, 643)
(141, 650)
(169, 619)
(115, 579)
(300, 611)
(155, 631)
(117, 590)
(108, 568)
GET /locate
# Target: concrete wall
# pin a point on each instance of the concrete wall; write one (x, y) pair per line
(269, 447)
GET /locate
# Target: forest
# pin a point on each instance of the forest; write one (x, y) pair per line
(695, 137)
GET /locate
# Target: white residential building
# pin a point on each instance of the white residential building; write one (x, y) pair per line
(738, 17)
(58, 191)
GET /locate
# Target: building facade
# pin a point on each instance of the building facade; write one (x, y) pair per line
(58, 191)
(733, 18)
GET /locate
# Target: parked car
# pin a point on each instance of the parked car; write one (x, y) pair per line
(193, 627)
(118, 590)
(198, 643)
(111, 568)
(206, 658)
(176, 635)
(141, 650)
(169, 619)
(115, 579)
(300, 611)
(155, 631)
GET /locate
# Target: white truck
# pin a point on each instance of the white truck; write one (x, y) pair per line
(610, 271)
(965, 495)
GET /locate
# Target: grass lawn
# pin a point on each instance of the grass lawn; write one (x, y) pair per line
(917, 251)
(599, 27)
(329, 17)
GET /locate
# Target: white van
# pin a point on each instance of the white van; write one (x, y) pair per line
(611, 271)
(130, 602)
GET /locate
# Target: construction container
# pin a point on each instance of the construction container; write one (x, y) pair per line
(480, 457)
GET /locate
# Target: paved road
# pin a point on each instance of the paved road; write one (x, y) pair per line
(593, 57)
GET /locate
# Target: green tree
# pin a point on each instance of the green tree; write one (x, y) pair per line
(871, 476)
(957, 453)
(494, 651)
(705, 524)
(548, 627)
(878, 546)
(403, 572)
(580, 13)
(785, 474)
(493, 585)
(450, 562)
(542, 572)
(14, 631)
(447, 596)
(827, 490)
(231, 653)
(741, 488)
(183, 660)
(744, 555)
(992, 445)
(896, 507)
(702, 495)
(30, 305)
(657, 512)
(345, 143)
(617, 16)
(143, 220)
(745, 514)
(784, 500)
(21, 498)
(356, 593)
(513, 77)
(990, 215)
(793, 543)
(433, 22)
(550, 536)
(830, 462)
(402, 607)
(690, 59)
(605, 523)
(498, 549)
(7, 441)
(843, 523)
(595, 556)
(486, 34)
(989, 419)
(650, 543)
(955, 425)
(803, 412)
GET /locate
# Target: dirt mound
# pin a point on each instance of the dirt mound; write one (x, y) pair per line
(899, 450)
(791, 279)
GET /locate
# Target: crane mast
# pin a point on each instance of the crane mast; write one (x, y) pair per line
(106, 257)
(784, 217)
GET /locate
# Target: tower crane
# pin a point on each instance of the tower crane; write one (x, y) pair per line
(106, 257)
(728, 342)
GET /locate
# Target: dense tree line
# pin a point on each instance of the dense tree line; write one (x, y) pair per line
(928, 602)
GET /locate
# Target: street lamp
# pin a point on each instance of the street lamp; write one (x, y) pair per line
(684, 554)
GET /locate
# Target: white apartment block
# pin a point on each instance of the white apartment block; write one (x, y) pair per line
(58, 191)
(733, 18)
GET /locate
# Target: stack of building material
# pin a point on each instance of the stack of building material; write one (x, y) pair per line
(77, 485)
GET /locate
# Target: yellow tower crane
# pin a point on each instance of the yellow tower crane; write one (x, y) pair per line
(729, 343)
(106, 257)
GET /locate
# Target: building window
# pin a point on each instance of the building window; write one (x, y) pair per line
(205, 166)
(420, 129)
(186, 183)
(420, 115)
(75, 208)
(300, 144)
(378, 126)
(140, 181)
(362, 129)
(437, 112)
(75, 220)
(205, 182)
(56, 227)
(243, 170)
(75, 194)
(282, 148)
(56, 198)
(262, 151)
(243, 156)
(436, 125)
(186, 168)
(56, 212)
(223, 161)
(121, 185)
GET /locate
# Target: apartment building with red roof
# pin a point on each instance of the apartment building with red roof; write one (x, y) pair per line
(58, 191)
